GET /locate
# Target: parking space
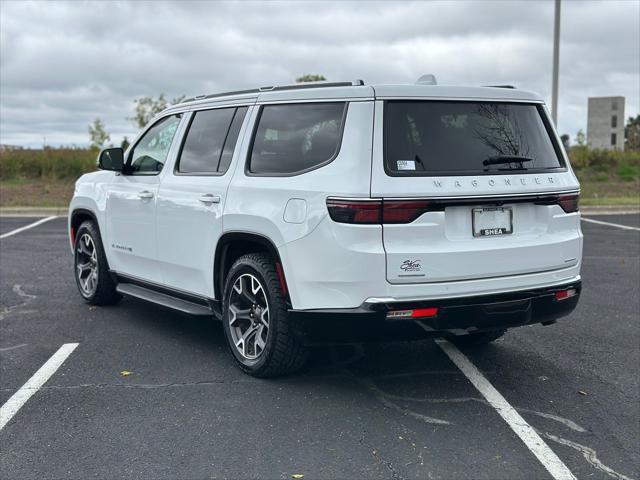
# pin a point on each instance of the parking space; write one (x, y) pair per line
(8, 224)
(393, 410)
(622, 220)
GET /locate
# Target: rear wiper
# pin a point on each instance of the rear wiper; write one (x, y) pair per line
(504, 159)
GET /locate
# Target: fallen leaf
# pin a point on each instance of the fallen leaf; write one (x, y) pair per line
(92, 307)
(125, 373)
(297, 475)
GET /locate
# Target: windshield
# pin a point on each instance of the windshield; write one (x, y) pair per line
(440, 138)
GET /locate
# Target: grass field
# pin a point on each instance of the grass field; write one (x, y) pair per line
(45, 178)
(35, 193)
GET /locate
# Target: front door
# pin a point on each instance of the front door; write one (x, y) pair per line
(191, 200)
(131, 204)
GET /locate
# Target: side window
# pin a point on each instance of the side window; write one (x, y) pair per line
(150, 153)
(204, 141)
(210, 141)
(293, 138)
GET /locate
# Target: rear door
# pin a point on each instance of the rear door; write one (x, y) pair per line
(472, 190)
(192, 196)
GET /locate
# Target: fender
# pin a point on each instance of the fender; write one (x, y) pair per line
(234, 243)
(76, 217)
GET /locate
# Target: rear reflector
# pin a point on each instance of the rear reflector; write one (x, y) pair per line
(564, 294)
(569, 203)
(371, 212)
(415, 313)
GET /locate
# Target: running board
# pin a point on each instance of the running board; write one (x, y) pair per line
(163, 299)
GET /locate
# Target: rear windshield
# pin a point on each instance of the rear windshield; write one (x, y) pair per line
(441, 138)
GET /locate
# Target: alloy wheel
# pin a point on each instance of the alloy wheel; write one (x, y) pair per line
(87, 265)
(248, 316)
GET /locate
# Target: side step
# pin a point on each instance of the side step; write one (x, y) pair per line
(163, 299)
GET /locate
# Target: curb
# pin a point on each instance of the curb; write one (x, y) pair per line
(609, 210)
(33, 211)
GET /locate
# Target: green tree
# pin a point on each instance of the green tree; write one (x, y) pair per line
(581, 139)
(565, 140)
(125, 143)
(310, 77)
(148, 107)
(632, 134)
(97, 134)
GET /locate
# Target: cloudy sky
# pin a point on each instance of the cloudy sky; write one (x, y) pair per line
(64, 64)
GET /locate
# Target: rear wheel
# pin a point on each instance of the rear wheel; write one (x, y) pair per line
(91, 268)
(477, 339)
(256, 322)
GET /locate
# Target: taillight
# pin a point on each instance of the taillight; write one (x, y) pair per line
(569, 203)
(376, 211)
(403, 211)
(365, 212)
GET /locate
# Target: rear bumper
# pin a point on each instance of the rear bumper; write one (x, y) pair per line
(455, 316)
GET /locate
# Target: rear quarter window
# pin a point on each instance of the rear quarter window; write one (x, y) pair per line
(294, 138)
(430, 138)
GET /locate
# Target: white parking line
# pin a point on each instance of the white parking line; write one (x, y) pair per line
(527, 434)
(18, 399)
(27, 227)
(609, 224)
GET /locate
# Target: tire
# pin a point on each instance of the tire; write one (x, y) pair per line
(263, 344)
(91, 270)
(477, 339)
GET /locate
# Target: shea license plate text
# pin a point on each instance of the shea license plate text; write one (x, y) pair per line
(492, 221)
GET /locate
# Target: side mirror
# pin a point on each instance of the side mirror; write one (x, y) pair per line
(111, 159)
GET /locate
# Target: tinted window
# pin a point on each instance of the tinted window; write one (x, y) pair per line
(232, 139)
(150, 153)
(204, 141)
(296, 137)
(431, 138)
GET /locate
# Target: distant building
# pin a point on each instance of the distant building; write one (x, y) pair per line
(605, 123)
(7, 148)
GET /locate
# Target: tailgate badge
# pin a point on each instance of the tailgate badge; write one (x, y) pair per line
(411, 266)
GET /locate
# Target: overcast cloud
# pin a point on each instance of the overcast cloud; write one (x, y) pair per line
(64, 64)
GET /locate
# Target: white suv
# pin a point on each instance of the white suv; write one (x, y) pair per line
(337, 212)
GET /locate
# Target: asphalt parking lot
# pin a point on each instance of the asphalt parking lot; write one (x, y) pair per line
(397, 410)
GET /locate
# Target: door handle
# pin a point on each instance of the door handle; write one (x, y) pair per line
(209, 198)
(145, 194)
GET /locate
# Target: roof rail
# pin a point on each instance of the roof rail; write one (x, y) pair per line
(295, 86)
(499, 86)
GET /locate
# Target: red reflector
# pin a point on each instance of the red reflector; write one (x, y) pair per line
(72, 234)
(415, 313)
(355, 211)
(280, 273)
(403, 211)
(569, 203)
(564, 294)
(424, 312)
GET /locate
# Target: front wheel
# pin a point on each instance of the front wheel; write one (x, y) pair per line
(91, 268)
(256, 322)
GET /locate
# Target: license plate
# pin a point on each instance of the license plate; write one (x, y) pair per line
(491, 222)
